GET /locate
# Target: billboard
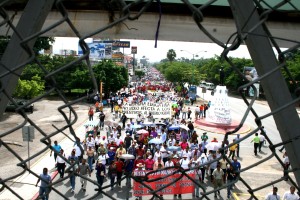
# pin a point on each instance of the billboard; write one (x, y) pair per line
(98, 50)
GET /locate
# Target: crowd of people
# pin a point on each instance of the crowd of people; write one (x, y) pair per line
(118, 151)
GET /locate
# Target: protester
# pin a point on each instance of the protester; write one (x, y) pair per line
(101, 120)
(56, 148)
(290, 195)
(90, 153)
(71, 169)
(286, 165)
(231, 176)
(256, 141)
(218, 178)
(112, 173)
(84, 171)
(91, 113)
(45, 179)
(261, 141)
(273, 195)
(61, 163)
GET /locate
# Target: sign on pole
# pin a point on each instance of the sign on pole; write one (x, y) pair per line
(28, 133)
(133, 50)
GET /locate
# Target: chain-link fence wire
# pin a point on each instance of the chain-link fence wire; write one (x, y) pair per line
(234, 41)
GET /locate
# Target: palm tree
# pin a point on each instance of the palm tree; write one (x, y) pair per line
(171, 55)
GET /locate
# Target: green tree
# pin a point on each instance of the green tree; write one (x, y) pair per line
(28, 89)
(113, 77)
(171, 55)
(181, 73)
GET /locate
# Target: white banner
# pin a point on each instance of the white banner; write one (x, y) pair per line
(158, 110)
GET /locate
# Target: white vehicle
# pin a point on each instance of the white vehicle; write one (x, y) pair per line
(210, 86)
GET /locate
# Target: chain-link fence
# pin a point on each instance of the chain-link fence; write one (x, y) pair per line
(251, 19)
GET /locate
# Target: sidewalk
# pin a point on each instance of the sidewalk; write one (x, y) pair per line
(25, 184)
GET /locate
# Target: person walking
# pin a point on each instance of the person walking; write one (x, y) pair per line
(84, 170)
(101, 120)
(112, 174)
(71, 169)
(90, 153)
(218, 178)
(231, 177)
(232, 150)
(45, 179)
(202, 160)
(273, 195)
(256, 141)
(238, 146)
(128, 171)
(56, 149)
(91, 113)
(290, 195)
(123, 120)
(261, 141)
(61, 163)
(100, 173)
(120, 166)
(286, 165)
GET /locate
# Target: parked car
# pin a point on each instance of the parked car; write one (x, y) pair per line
(11, 107)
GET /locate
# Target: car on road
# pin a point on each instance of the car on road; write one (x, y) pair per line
(11, 107)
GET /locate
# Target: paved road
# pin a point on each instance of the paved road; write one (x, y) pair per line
(255, 177)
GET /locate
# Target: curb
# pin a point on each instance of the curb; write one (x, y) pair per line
(53, 175)
(235, 196)
(244, 132)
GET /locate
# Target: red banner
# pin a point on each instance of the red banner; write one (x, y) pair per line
(182, 186)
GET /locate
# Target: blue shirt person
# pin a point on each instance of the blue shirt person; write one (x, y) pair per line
(45, 179)
(56, 148)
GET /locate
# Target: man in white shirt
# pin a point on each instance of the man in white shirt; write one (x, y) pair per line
(291, 195)
(201, 160)
(119, 102)
(273, 195)
(164, 153)
(261, 141)
(111, 138)
(184, 162)
(169, 163)
(118, 140)
(103, 141)
(171, 141)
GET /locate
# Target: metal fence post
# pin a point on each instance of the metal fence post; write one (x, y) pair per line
(275, 87)
(31, 22)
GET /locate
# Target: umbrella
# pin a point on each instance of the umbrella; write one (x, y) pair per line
(174, 127)
(111, 123)
(184, 127)
(160, 124)
(213, 146)
(142, 131)
(91, 123)
(136, 126)
(173, 148)
(127, 157)
(148, 124)
(155, 141)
